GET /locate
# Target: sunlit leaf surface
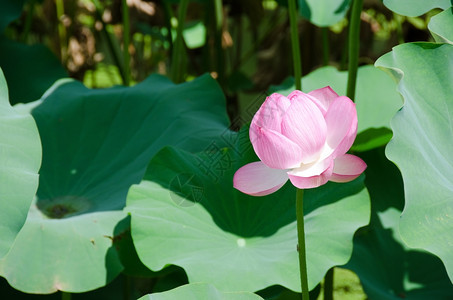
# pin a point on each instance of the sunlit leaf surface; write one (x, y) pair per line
(196, 291)
(20, 159)
(422, 143)
(388, 269)
(324, 12)
(96, 143)
(441, 26)
(413, 8)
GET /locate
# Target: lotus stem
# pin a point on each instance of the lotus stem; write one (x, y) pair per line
(61, 29)
(328, 285)
(292, 11)
(399, 27)
(178, 47)
(301, 243)
(325, 45)
(110, 40)
(28, 21)
(65, 296)
(354, 43)
(167, 21)
(126, 42)
(220, 60)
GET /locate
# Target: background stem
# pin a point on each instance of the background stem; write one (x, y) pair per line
(325, 45)
(178, 50)
(110, 41)
(28, 21)
(354, 43)
(126, 41)
(219, 57)
(328, 285)
(301, 243)
(65, 296)
(292, 10)
(61, 29)
(167, 21)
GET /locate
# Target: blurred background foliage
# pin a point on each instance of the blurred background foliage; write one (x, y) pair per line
(245, 45)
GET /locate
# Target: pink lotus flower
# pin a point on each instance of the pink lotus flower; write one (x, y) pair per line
(303, 138)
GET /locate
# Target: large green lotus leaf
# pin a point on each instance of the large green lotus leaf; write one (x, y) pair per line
(422, 144)
(196, 291)
(414, 8)
(441, 26)
(11, 10)
(386, 267)
(324, 12)
(20, 159)
(120, 288)
(376, 99)
(33, 67)
(187, 213)
(72, 254)
(133, 267)
(96, 143)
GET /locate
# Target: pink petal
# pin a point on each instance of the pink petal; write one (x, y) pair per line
(347, 142)
(323, 97)
(312, 181)
(347, 167)
(304, 124)
(341, 119)
(270, 114)
(257, 179)
(274, 149)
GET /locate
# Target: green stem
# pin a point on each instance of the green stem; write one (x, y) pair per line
(61, 29)
(354, 43)
(325, 45)
(178, 50)
(28, 21)
(328, 285)
(65, 296)
(292, 10)
(301, 243)
(167, 21)
(218, 15)
(259, 40)
(238, 42)
(93, 79)
(399, 28)
(110, 40)
(220, 59)
(126, 42)
(344, 55)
